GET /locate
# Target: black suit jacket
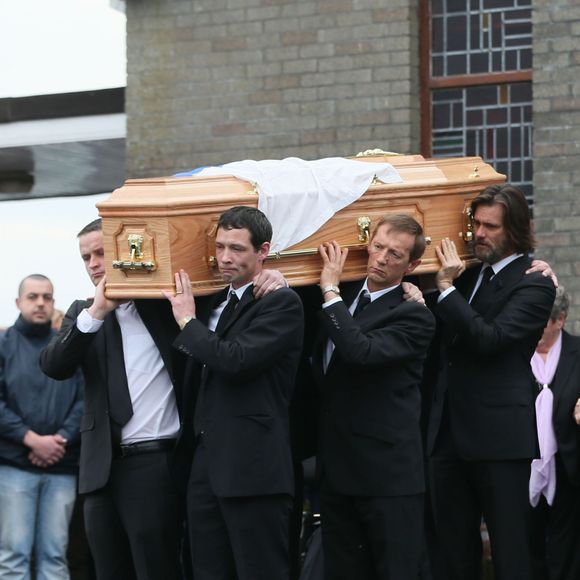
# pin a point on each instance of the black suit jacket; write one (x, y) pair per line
(484, 374)
(566, 389)
(370, 441)
(247, 376)
(100, 355)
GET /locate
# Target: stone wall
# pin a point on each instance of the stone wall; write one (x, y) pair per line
(557, 142)
(212, 81)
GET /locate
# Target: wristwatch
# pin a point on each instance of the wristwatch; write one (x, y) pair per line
(182, 323)
(331, 288)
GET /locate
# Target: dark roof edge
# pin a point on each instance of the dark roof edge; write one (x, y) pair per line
(101, 102)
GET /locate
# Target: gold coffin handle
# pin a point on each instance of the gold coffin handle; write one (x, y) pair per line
(135, 242)
(467, 235)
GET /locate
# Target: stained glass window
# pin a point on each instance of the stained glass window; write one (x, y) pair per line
(480, 36)
(489, 115)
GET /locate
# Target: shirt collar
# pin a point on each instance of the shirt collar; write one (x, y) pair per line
(239, 291)
(499, 266)
(378, 293)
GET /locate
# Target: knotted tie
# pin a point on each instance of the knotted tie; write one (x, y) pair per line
(363, 301)
(227, 313)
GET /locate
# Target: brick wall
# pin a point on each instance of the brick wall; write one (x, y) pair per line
(212, 81)
(557, 142)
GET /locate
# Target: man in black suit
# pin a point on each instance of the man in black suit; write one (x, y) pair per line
(555, 490)
(132, 509)
(369, 365)
(482, 434)
(241, 484)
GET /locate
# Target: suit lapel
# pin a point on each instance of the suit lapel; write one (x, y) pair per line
(246, 301)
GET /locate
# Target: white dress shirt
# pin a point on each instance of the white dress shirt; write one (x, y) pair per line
(155, 413)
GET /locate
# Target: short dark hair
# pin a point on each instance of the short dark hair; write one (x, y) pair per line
(249, 218)
(401, 222)
(94, 226)
(561, 304)
(41, 277)
(516, 215)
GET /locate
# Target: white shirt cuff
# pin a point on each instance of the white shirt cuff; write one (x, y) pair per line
(445, 293)
(87, 324)
(331, 302)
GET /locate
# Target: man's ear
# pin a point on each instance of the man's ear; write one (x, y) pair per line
(412, 265)
(264, 251)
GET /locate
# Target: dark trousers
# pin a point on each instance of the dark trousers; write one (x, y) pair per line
(134, 524)
(243, 538)
(557, 532)
(372, 538)
(464, 491)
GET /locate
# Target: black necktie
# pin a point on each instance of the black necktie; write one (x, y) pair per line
(487, 273)
(120, 406)
(363, 301)
(227, 313)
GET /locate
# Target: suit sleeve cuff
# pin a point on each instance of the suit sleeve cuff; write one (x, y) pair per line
(331, 302)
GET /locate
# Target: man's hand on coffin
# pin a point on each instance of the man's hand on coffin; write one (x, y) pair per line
(411, 293)
(452, 266)
(333, 259)
(182, 302)
(545, 269)
(102, 305)
(268, 281)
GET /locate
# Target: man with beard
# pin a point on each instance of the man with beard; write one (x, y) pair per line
(482, 433)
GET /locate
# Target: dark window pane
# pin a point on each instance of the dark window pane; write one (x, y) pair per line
(525, 58)
(516, 142)
(457, 64)
(516, 172)
(528, 170)
(437, 35)
(474, 117)
(496, 65)
(489, 4)
(458, 115)
(486, 95)
(447, 95)
(471, 144)
(456, 33)
(511, 60)
(437, 64)
(497, 116)
(436, 7)
(440, 116)
(456, 5)
(479, 63)
(475, 31)
(501, 167)
(520, 92)
(501, 143)
(515, 115)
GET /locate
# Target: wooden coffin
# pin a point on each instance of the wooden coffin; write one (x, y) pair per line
(154, 227)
